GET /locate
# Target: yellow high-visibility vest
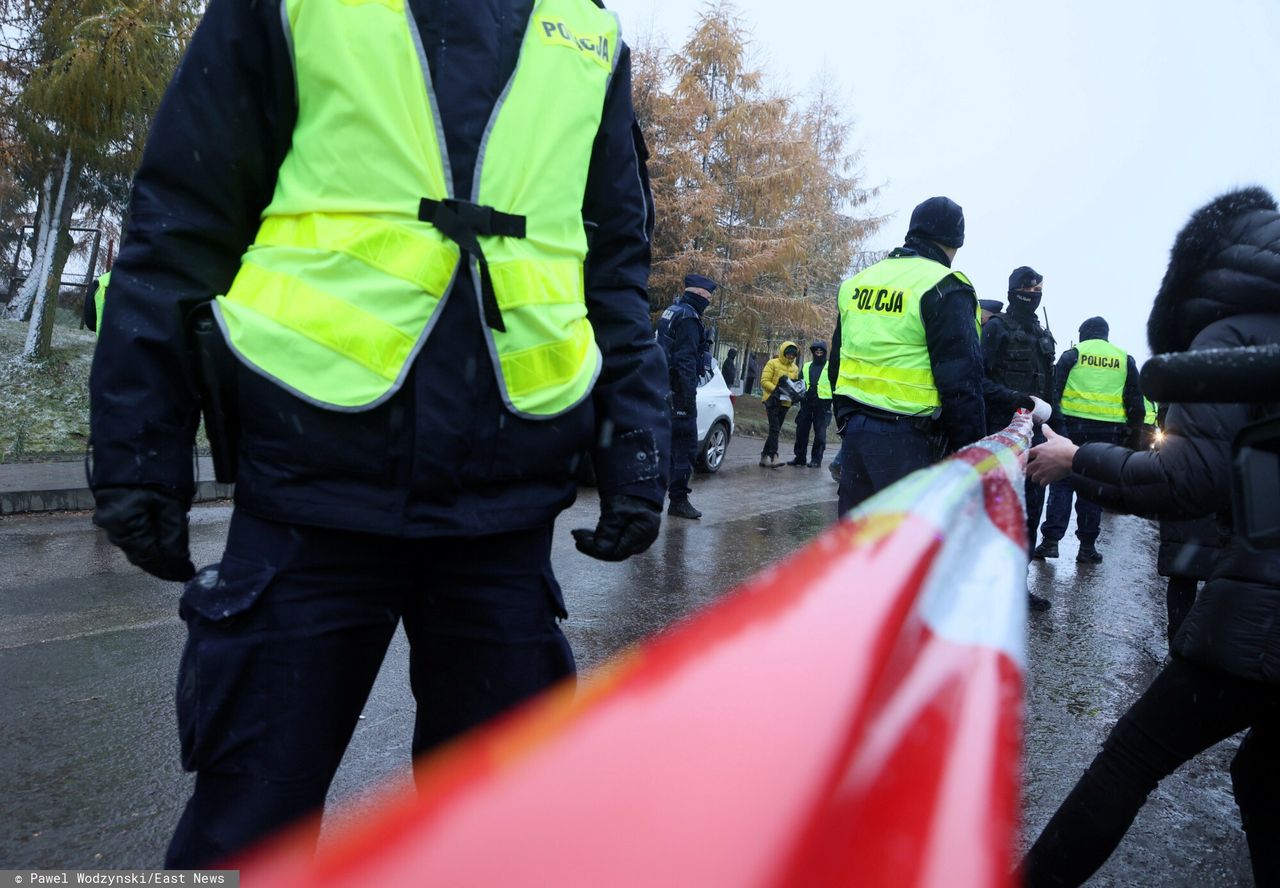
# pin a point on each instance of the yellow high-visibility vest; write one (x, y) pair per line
(824, 381)
(884, 358)
(1150, 412)
(1095, 385)
(363, 237)
(100, 299)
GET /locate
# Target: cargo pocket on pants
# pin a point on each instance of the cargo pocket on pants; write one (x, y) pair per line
(211, 697)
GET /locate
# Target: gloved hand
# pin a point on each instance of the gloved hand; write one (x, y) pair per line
(1040, 415)
(628, 525)
(150, 526)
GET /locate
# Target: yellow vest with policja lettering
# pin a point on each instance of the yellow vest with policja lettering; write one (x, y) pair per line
(884, 356)
(1095, 385)
(363, 237)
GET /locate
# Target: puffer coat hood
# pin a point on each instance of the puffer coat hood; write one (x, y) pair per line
(1224, 262)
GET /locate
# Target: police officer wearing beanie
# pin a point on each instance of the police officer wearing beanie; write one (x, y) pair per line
(815, 408)
(684, 341)
(1017, 354)
(1097, 399)
(906, 362)
(393, 218)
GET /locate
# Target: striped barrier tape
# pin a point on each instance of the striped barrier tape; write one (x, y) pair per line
(851, 715)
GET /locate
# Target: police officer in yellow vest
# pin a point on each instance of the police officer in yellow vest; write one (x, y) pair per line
(391, 203)
(91, 314)
(1097, 398)
(906, 364)
(815, 408)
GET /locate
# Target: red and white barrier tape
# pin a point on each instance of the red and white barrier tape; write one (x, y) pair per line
(850, 716)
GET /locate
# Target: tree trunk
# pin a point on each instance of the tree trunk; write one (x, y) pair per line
(40, 331)
(20, 306)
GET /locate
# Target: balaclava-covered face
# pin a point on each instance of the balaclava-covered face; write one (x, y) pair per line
(1022, 298)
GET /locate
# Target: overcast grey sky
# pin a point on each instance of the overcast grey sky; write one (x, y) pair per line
(1077, 136)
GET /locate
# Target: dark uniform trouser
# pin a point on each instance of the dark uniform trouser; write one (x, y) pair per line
(875, 453)
(1187, 709)
(282, 652)
(816, 416)
(684, 452)
(1088, 514)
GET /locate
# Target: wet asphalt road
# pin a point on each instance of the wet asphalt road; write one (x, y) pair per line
(89, 647)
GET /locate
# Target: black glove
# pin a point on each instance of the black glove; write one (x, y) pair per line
(150, 526)
(628, 525)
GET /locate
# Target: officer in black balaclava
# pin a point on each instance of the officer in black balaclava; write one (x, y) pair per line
(1017, 354)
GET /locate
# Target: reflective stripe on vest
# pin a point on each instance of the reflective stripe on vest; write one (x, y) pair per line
(824, 381)
(884, 358)
(100, 299)
(344, 281)
(1095, 385)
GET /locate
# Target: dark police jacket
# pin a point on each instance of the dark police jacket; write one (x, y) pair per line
(1221, 291)
(1017, 354)
(684, 341)
(442, 456)
(949, 312)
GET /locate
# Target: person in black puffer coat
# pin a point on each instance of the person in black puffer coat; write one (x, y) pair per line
(1222, 289)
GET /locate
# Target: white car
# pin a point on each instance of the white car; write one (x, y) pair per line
(715, 421)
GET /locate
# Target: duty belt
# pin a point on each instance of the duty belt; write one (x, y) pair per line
(464, 222)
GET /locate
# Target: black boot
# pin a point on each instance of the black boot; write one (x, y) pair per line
(797, 462)
(682, 508)
(1047, 549)
(1089, 553)
(1037, 603)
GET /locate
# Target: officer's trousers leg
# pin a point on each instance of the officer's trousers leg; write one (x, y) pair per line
(282, 653)
(483, 632)
(1058, 511)
(684, 451)
(804, 422)
(876, 453)
(1088, 519)
(821, 420)
(279, 660)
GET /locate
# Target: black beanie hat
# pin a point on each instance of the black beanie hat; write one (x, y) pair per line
(938, 219)
(1024, 277)
(1095, 328)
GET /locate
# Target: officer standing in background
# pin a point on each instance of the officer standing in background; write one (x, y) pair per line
(94, 300)
(906, 363)
(815, 408)
(394, 212)
(1017, 354)
(684, 341)
(988, 309)
(1096, 399)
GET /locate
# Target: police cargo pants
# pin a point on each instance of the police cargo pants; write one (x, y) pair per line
(875, 453)
(815, 417)
(282, 652)
(1088, 514)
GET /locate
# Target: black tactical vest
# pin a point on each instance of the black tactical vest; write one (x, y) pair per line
(1025, 364)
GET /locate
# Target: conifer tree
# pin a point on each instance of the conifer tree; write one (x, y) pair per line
(86, 76)
(751, 186)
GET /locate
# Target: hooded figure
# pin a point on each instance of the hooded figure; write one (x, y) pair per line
(815, 408)
(777, 402)
(1221, 289)
(729, 369)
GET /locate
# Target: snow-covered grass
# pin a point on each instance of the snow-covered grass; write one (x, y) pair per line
(44, 408)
